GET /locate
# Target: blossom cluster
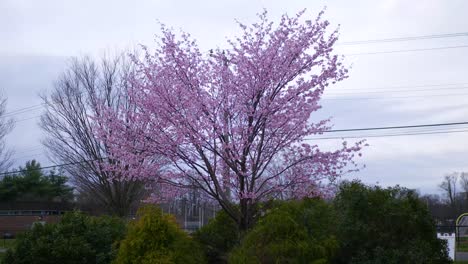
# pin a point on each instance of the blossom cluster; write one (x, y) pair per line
(232, 122)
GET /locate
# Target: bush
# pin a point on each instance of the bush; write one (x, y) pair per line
(218, 237)
(390, 225)
(294, 232)
(156, 238)
(77, 238)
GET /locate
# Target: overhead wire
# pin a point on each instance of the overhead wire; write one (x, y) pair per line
(405, 133)
(407, 50)
(359, 42)
(22, 110)
(342, 91)
(50, 166)
(397, 127)
(409, 133)
(400, 39)
(389, 135)
(402, 87)
(392, 97)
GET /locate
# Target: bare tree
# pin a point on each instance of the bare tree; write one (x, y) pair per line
(464, 185)
(449, 186)
(6, 126)
(67, 121)
(464, 181)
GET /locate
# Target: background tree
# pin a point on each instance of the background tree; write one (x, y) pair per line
(247, 108)
(464, 185)
(385, 225)
(449, 186)
(439, 210)
(31, 184)
(6, 125)
(453, 201)
(70, 130)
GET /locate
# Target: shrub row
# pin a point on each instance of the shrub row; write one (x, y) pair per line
(77, 238)
(361, 225)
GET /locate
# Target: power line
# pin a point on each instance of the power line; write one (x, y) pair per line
(23, 110)
(29, 152)
(393, 97)
(50, 167)
(396, 91)
(321, 138)
(392, 89)
(411, 38)
(399, 87)
(395, 127)
(407, 50)
(391, 135)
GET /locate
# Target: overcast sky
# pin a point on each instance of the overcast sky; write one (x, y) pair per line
(384, 89)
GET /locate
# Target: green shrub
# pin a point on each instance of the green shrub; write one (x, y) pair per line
(77, 238)
(389, 225)
(218, 237)
(294, 232)
(155, 238)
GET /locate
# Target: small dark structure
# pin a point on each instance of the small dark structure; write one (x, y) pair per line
(16, 217)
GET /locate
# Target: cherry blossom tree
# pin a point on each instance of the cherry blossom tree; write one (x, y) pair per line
(236, 122)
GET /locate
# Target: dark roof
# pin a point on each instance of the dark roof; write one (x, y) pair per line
(45, 206)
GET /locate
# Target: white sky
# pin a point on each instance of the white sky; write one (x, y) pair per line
(36, 38)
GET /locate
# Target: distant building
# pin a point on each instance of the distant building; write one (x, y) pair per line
(190, 211)
(16, 217)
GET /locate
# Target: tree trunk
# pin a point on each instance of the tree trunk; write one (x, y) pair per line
(245, 214)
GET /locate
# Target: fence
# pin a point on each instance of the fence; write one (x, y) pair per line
(191, 214)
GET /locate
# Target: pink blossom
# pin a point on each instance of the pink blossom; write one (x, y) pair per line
(233, 122)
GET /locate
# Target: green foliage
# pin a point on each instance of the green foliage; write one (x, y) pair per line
(155, 238)
(363, 225)
(218, 237)
(77, 238)
(389, 225)
(294, 232)
(32, 185)
(7, 243)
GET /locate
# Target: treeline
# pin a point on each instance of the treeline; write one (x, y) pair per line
(30, 187)
(31, 184)
(452, 202)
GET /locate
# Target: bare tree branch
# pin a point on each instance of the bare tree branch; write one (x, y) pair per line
(6, 126)
(76, 96)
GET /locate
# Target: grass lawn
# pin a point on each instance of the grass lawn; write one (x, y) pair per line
(462, 247)
(462, 244)
(5, 244)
